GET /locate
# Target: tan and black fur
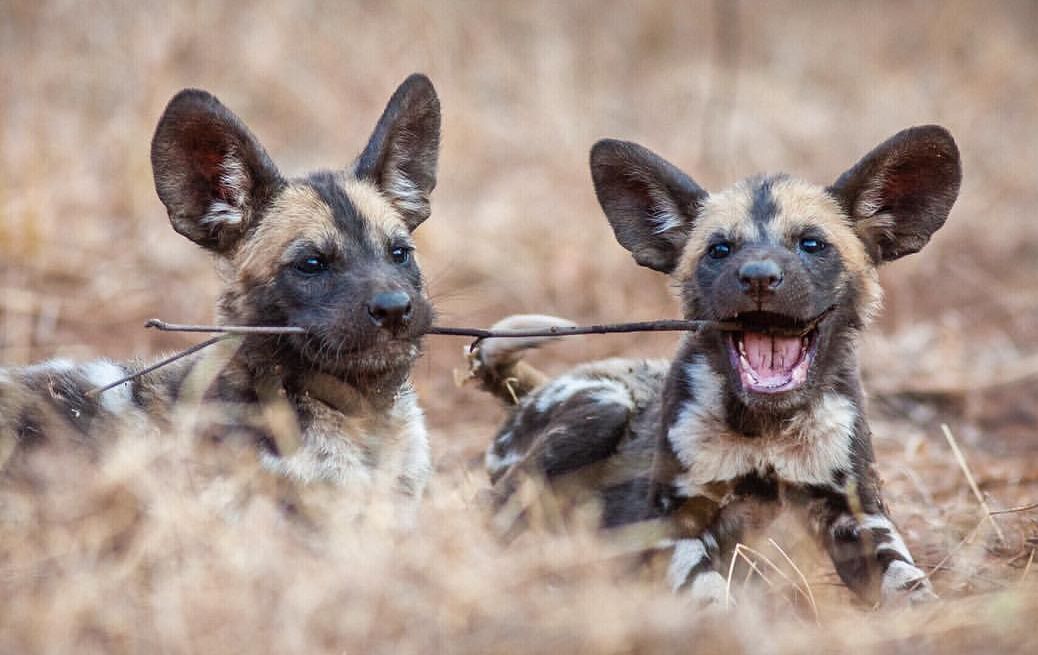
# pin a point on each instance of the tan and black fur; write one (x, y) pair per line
(331, 252)
(740, 423)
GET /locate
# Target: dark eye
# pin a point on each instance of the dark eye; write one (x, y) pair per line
(811, 246)
(400, 254)
(312, 265)
(719, 250)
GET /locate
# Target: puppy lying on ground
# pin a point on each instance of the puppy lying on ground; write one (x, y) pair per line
(741, 422)
(330, 252)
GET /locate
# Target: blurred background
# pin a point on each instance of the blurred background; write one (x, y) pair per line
(722, 89)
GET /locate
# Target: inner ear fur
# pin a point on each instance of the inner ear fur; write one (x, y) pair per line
(899, 194)
(401, 155)
(649, 202)
(210, 172)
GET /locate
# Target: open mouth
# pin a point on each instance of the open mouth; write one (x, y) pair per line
(772, 353)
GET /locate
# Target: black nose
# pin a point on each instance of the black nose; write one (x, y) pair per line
(760, 276)
(390, 309)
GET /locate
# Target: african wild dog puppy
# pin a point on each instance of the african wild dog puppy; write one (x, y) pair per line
(331, 252)
(741, 422)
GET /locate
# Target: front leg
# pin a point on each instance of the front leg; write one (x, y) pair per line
(866, 548)
(699, 563)
(694, 566)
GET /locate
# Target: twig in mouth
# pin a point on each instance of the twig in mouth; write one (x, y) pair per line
(670, 325)
(226, 329)
(479, 334)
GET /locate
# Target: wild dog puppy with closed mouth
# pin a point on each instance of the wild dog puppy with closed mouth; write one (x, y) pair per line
(331, 252)
(747, 420)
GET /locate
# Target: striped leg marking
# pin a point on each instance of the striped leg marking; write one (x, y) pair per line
(902, 579)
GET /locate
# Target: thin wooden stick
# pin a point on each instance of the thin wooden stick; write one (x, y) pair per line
(972, 482)
(226, 329)
(667, 325)
(676, 325)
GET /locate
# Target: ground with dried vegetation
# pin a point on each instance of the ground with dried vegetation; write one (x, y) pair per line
(170, 545)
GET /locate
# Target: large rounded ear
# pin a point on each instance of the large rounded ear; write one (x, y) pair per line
(400, 158)
(210, 171)
(899, 194)
(649, 202)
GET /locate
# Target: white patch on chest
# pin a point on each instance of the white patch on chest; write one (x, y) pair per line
(359, 452)
(805, 450)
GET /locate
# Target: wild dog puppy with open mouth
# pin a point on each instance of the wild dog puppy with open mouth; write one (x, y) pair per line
(743, 421)
(331, 252)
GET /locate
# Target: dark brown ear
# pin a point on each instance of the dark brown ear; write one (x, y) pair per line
(400, 158)
(649, 202)
(210, 171)
(900, 193)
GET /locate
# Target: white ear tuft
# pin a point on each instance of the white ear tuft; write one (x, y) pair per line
(234, 189)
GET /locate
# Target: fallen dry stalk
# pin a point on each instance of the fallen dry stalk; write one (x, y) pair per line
(972, 482)
(1013, 510)
(741, 550)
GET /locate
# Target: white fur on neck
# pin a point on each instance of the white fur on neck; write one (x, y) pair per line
(806, 450)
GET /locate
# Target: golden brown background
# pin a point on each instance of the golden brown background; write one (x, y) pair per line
(722, 89)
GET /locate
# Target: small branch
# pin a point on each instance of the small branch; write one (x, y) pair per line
(93, 393)
(972, 482)
(478, 333)
(668, 325)
(227, 329)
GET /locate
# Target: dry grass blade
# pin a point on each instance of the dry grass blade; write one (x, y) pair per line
(1027, 567)
(742, 549)
(1014, 510)
(972, 481)
(803, 578)
(736, 553)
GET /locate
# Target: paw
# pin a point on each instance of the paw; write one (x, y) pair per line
(904, 583)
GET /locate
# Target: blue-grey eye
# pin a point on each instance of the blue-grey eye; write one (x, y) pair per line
(719, 250)
(811, 246)
(400, 254)
(312, 265)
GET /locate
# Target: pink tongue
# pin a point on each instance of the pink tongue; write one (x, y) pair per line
(771, 356)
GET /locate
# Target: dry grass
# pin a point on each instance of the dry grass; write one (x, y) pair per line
(161, 547)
